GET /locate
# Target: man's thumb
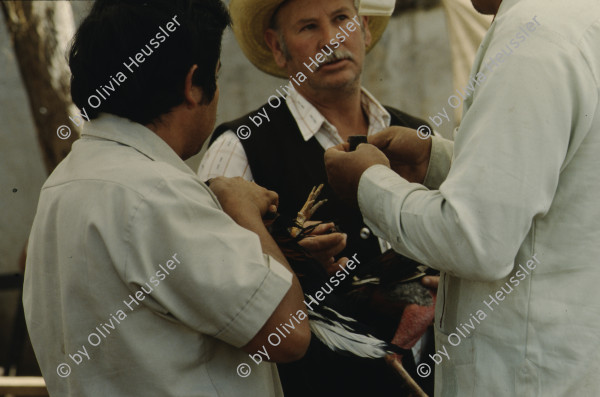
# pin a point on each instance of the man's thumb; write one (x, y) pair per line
(333, 153)
(381, 139)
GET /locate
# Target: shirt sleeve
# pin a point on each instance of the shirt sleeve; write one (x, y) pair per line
(225, 157)
(508, 156)
(203, 269)
(439, 162)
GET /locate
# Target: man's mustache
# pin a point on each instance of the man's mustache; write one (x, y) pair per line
(336, 55)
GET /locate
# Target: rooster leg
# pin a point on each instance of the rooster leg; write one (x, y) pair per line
(307, 211)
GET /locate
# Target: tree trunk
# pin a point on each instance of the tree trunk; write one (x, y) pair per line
(40, 32)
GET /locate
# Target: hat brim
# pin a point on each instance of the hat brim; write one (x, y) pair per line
(251, 18)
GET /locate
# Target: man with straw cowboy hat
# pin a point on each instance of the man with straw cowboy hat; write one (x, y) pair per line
(320, 47)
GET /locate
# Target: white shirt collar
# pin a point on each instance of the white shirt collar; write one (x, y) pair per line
(114, 128)
(310, 121)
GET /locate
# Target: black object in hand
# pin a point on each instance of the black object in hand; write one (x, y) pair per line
(356, 140)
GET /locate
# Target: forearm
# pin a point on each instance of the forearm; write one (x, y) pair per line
(270, 247)
(295, 345)
(439, 231)
(255, 224)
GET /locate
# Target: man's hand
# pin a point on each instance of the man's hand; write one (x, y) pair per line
(344, 169)
(322, 245)
(335, 266)
(240, 198)
(408, 153)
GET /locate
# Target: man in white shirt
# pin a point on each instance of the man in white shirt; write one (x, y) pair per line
(510, 213)
(320, 47)
(140, 279)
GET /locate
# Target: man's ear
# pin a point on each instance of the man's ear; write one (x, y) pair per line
(367, 32)
(192, 94)
(272, 40)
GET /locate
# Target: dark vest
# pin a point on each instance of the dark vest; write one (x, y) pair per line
(281, 160)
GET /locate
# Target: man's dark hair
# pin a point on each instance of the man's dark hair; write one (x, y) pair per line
(116, 30)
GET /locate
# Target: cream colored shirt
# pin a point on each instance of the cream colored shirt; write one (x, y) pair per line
(137, 279)
(523, 181)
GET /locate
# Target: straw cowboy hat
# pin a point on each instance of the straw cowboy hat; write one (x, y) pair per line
(251, 19)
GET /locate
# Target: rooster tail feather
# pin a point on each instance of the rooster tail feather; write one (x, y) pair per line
(345, 335)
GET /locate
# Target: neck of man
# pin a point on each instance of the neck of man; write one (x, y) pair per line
(341, 107)
(171, 130)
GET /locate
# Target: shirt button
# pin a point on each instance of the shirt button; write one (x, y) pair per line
(365, 233)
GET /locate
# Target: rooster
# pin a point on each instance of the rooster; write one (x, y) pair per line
(389, 286)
